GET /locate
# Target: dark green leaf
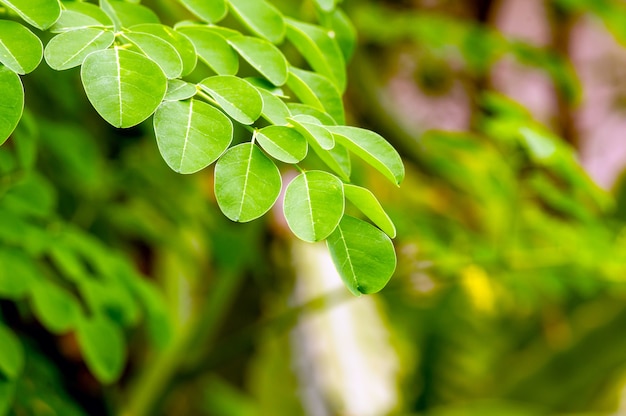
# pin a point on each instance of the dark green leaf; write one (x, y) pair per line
(11, 354)
(103, 347)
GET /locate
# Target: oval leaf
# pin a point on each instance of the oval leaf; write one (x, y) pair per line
(212, 49)
(237, 97)
(317, 91)
(69, 49)
(159, 51)
(314, 205)
(247, 183)
(180, 42)
(56, 308)
(20, 50)
(130, 14)
(372, 148)
(18, 273)
(124, 87)
(178, 90)
(210, 11)
(367, 203)
(283, 143)
(191, 134)
(39, 13)
(11, 102)
(260, 17)
(11, 354)
(311, 129)
(103, 347)
(363, 255)
(263, 56)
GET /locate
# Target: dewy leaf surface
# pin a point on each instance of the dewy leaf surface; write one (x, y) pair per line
(191, 134)
(368, 204)
(363, 254)
(263, 56)
(211, 11)
(283, 143)
(212, 49)
(20, 50)
(261, 18)
(237, 97)
(11, 353)
(11, 102)
(103, 347)
(372, 148)
(69, 49)
(159, 51)
(314, 204)
(124, 87)
(247, 183)
(39, 13)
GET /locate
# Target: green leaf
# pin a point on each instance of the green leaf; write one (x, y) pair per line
(260, 17)
(18, 273)
(124, 87)
(237, 97)
(159, 51)
(103, 347)
(364, 255)
(130, 14)
(373, 149)
(283, 143)
(247, 183)
(263, 56)
(87, 9)
(20, 50)
(210, 11)
(312, 130)
(344, 33)
(11, 354)
(69, 49)
(367, 203)
(274, 109)
(317, 91)
(191, 134)
(305, 109)
(7, 393)
(178, 90)
(326, 5)
(56, 308)
(314, 204)
(212, 49)
(180, 42)
(320, 50)
(11, 102)
(39, 13)
(72, 20)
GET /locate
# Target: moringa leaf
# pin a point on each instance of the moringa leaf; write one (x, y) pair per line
(56, 308)
(263, 56)
(261, 17)
(124, 86)
(178, 90)
(191, 134)
(18, 273)
(317, 91)
(366, 202)
(11, 354)
(20, 50)
(11, 102)
(363, 255)
(130, 14)
(103, 347)
(237, 97)
(159, 51)
(69, 49)
(274, 109)
(210, 11)
(247, 183)
(313, 205)
(180, 42)
(283, 143)
(312, 130)
(212, 49)
(40, 13)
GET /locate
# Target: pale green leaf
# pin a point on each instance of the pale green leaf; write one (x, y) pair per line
(11, 102)
(316, 90)
(39, 13)
(320, 49)
(180, 42)
(130, 14)
(103, 347)
(191, 134)
(237, 97)
(56, 308)
(124, 87)
(20, 50)
(260, 17)
(307, 110)
(18, 273)
(210, 11)
(71, 20)
(373, 149)
(337, 159)
(212, 49)
(87, 9)
(368, 204)
(178, 90)
(274, 109)
(247, 183)
(314, 204)
(326, 5)
(11, 354)
(312, 130)
(283, 143)
(69, 49)
(363, 255)
(263, 56)
(159, 51)
(345, 33)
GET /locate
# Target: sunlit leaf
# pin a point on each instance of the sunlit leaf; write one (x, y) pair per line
(326, 5)
(263, 56)
(11, 354)
(344, 33)
(260, 17)
(11, 102)
(39, 13)
(237, 97)
(316, 90)
(247, 183)
(181, 43)
(274, 109)
(307, 110)
(210, 11)
(159, 51)
(366, 202)
(103, 347)
(363, 254)
(314, 204)
(69, 49)
(191, 134)
(20, 50)
(178, 90)
(373, 149)
(124, 87)
(312, 130)
(55, 307)
(212, 49)
(130, 14)
(283, 143)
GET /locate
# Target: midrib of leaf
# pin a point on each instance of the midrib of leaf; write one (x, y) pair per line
(83, 48)
(245, 182)
(119, 82)
(15, 61)
(310, 205)
(345, 246)
(187, 130)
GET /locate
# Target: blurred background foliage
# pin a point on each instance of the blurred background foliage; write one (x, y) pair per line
(508, 299)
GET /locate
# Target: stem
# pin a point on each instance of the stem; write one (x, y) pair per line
(151, 385)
